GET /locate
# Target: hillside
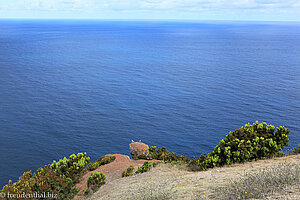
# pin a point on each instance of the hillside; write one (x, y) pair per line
(169, 182)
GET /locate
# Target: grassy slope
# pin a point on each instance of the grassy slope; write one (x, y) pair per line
(166, 181)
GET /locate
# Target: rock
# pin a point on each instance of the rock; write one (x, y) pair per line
(138, 148)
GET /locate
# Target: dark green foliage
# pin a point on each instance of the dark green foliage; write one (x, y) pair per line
(96, 180)
(296, 150)
(163, 154)
(101, 161)
(93, 166)
(57, 178)
(105, 160)
(198, 164)
(128, 171)
(252, 142)
(143, 157)
(73, 167)
(147, 166)
(152, 150)
(87, 192)
(45, 180)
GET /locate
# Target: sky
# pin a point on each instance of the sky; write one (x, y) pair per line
(245, 10)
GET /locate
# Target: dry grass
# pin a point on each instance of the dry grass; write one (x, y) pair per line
(150, 191)
(169, 182)
(260, 184)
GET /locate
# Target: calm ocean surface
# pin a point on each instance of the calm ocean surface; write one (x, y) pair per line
(93, 86)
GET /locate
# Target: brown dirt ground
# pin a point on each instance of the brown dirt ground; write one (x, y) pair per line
(112, 170)
(183, 184)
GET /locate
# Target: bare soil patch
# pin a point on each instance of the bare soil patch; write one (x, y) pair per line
(112, 170)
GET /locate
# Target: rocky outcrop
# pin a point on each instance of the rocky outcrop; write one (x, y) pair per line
(138, 148)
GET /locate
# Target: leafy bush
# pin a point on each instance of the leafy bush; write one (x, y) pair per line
(101, 161)
(73, 167)
(128, 171)
(257, 141)
(147, 166)
(163, 154)
(45, 180)
(257, 185)
(93, 166)
(296, 150)
(57, 178)
(105, 160)
(96, 180)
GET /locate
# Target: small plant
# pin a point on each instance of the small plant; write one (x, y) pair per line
(101, 161)
(96, 180)
(257, 185)
(93, 166)
(296, 150)
(128, 171)
(105, 160)
(87, 192)
(163, 154)
(73, 168)
(147, 166)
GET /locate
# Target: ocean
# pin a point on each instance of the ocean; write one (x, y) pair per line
(93, 86)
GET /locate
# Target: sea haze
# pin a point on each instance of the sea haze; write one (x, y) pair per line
(93, 86)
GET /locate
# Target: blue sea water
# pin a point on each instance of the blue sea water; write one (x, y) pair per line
(93, 86)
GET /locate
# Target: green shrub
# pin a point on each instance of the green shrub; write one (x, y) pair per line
(147, 166)
(252, 142)
(105, 160)
(96, 180)
(101, 161)
(128, 171)
(57, 178)
(142, 157)
(296, 150)
(45, 180)
(198, 164)
(93, 166)
(87, 192)
(73, 167)
(163, 154)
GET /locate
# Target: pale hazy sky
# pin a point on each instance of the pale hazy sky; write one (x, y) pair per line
(264, 10)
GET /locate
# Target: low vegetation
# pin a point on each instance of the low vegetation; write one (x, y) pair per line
(163, 154)
(93, 166)
(96, 180)
(258, 185)
(57, 178)
(296, 150)
(251, 142)
(248, 143)
(101, 161)
(105, 160)
(128, 171)
(147, 166)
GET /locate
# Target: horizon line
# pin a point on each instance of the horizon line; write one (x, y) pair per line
(129, 19)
